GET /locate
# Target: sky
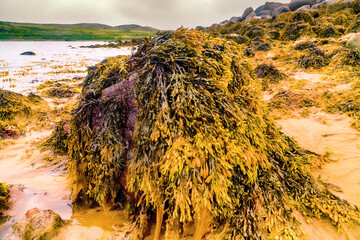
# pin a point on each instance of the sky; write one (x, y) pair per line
(161, 14)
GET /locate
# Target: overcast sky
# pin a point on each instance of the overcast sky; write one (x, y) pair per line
(162, 14)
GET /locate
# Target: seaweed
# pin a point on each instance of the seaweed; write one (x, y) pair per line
(269, 73)
(4, 201)
(181, 127)
(58, 140)
(315, 58)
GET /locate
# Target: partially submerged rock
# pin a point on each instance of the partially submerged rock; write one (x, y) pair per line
(28, 53)
(39, 224)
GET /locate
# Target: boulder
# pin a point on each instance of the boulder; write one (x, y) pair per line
(265, 12)
(305, 8)
(296, 4)
(346, 38)
(250, 16)
(200, 28)
(279, 10)
(247, 12)
(223, 22)
(214, 25)
(39, 225)
(28, 53)
(354, 42)
(259, 9)
(272, 5)
(236, 19)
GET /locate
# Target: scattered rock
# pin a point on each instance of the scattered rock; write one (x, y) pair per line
(354, 41)
(39, 225)
(279, 10)
(296, 4)
(247, 12)
(28, 53)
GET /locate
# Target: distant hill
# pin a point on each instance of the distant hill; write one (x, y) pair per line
(72, 32)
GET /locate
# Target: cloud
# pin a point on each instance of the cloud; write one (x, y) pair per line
(163, 14)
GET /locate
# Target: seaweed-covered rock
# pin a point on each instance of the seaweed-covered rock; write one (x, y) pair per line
(181, 126)
(304, 43)
(14, 106)
(43, 224)
(315, 58)
(269, 73)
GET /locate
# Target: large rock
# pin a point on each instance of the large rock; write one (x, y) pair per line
(354, 41)
(279, 10)
(305, 8)
(272, 5)
(223, 22)
(295, 4)
(259, 9)
(250, 16)
(39, 225)
(247, 12)
(265, 12)
(236, 19)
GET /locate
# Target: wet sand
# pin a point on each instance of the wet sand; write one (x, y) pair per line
(332, 133)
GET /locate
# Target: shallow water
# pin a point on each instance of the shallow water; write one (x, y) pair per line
(54, 60)
(35, 183)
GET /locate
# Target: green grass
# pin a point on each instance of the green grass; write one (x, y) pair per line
(29, 31)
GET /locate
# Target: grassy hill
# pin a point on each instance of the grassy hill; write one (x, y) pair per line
(82, 31)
